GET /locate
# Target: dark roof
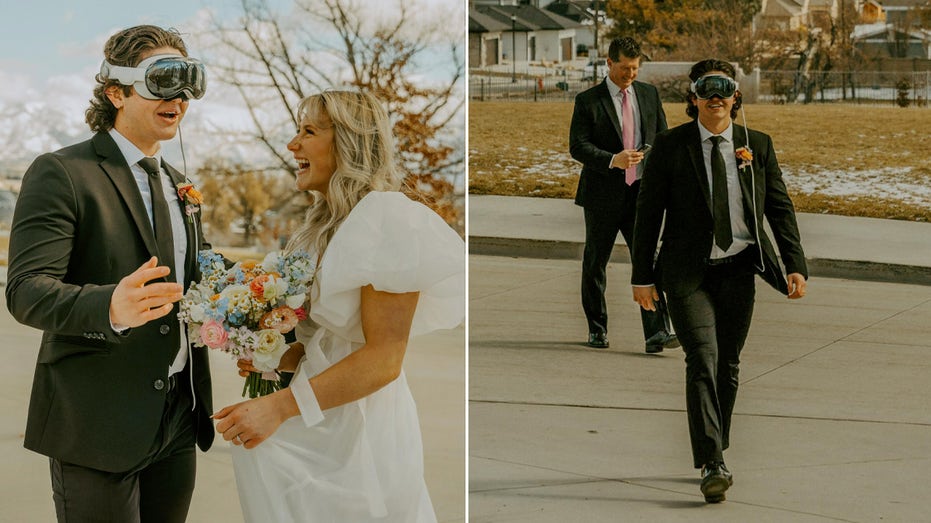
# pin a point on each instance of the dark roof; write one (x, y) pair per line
(529, 18)
(574, 10)
(482, 23)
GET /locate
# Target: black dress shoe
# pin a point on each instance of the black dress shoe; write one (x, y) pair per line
(730, 477)
(715, 480)
(598, 340)
(672, 342)
(656, 342)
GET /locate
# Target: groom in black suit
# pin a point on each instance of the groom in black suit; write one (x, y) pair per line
(101, 246)
(611, 123)
(714, 182)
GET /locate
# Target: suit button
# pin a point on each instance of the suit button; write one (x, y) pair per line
(159, 384)
(164, 329)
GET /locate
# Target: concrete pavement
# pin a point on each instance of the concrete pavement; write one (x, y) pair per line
(836, 246)
(435, 367)
(832, 421)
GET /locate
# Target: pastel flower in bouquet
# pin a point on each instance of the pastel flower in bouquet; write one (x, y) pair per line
(245, 310)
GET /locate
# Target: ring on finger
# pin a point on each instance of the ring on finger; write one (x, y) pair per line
(237, 440)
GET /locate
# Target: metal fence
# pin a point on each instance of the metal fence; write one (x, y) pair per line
(527, 88)
(911, 88)
(900, 88)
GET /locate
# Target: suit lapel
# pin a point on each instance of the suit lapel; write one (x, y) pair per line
(608, 105)
(744, 176)
(114, 165)
(190, 233)
(698, 162)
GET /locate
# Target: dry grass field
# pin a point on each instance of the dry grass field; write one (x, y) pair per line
(856, 160)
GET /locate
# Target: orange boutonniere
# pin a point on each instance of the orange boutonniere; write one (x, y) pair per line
(744, 157)
(191, 198)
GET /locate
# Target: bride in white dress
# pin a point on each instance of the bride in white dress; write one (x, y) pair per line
(342, 442)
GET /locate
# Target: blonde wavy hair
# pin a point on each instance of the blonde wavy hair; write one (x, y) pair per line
(363, 147)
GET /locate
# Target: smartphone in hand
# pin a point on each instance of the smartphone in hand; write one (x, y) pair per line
(645, 148)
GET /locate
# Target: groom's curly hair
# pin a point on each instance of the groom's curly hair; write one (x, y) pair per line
(126, 49)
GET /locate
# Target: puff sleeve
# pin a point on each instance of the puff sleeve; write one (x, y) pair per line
(396, 245)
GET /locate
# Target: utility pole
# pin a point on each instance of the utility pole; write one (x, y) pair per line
(596, 2)
(513, 49)
(594, 59)
(843, 46)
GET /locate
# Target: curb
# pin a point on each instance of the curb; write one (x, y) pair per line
(820, 267)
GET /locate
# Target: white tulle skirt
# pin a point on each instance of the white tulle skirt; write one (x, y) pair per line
(363, 463)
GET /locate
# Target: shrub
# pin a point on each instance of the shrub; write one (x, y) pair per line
(903, 88)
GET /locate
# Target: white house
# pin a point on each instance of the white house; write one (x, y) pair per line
(485, 35)
(525, 33)
(886, 40)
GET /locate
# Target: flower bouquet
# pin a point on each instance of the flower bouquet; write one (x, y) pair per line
(245, 310)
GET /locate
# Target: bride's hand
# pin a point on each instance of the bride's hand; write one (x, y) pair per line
(251, 422)
(288, 363)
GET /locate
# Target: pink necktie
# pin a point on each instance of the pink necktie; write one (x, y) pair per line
(627, 133)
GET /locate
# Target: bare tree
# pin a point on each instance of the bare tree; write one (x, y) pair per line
(239, 195)
(273, 60)
(678, 29)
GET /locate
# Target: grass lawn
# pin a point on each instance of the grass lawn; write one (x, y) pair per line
(855, 160)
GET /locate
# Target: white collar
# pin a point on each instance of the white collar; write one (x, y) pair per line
(728, 133)
(131, 153)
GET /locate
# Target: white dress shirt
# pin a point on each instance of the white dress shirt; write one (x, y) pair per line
(739, 228)
(178, 231)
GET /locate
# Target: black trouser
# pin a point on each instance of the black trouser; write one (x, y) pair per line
(601, 230)
(712, 325)
(157, 490)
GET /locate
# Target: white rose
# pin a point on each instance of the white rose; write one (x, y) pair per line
(274, 289)
(296, 300)
(269, 348)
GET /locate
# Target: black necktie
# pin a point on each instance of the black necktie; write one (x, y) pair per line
(160, 217)
(722, 215)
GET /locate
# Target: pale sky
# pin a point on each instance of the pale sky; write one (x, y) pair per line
(43, 38)
(50, 51)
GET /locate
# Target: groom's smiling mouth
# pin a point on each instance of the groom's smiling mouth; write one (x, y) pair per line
(169, 115)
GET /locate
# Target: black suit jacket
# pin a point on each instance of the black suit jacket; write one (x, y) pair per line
(595, 136)
(675, 184)
(79, 227)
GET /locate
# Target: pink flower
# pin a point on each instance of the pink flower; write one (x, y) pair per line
(213, 335)
(282, 319)
(301, 313)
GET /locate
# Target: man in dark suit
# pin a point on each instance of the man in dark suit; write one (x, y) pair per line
(715, 182)
(100, 248)
(610, 124)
